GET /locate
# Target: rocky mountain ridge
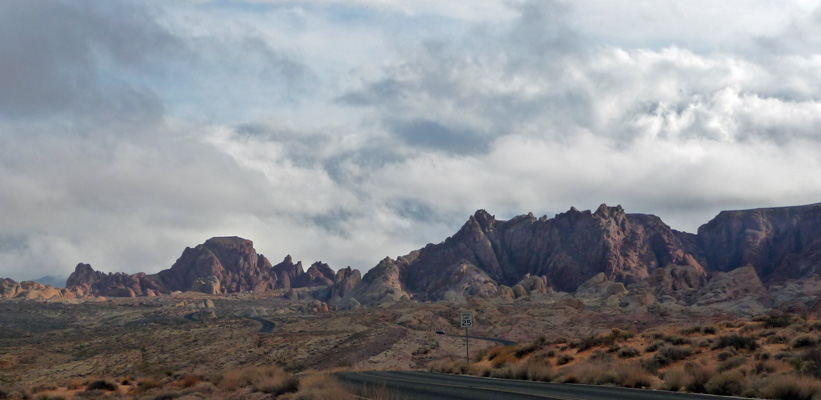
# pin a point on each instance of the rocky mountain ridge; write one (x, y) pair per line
(487, 256)
(220, 265)
(603, 257)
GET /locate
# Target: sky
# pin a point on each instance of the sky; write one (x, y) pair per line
(348, 131)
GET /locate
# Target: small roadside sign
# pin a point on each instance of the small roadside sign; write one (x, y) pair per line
(467, 320)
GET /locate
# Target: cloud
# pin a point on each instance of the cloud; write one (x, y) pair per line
(131, 130)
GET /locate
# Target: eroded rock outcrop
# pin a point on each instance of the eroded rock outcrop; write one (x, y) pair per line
(566, 250)
(220, 265)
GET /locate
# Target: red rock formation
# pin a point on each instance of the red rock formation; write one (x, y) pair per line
(232, 260)
(318, 274)
(779, 243)
(568, 249)
(220, 265)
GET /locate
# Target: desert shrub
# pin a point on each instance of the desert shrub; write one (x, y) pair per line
(540, 372)
(737, 341)
(675, 379)
(526, 349)
(727, 383)
(708, 330)
(804, 341)
(674, 353)
(691, 330)
(812, 362)
(726, 354)
(762, 367)
(564, 359)
(697, 377)
(594, 373)
(815, 326)
(628, 352)
(599, 355)
(778, 339)
(613, 348)
(666, 355)
(763, 356)
(3, 393)
(783, 355)
(102, 385)
(789, 387)
(654, 346)
(677, 340)
(732, 363)
(560, 340)
(777, 321)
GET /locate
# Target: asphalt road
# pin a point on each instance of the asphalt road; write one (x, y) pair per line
(414, 385)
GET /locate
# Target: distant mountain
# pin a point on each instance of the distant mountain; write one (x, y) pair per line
(487, 255)
(635, 257)
(220, 265)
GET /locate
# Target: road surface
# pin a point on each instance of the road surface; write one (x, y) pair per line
(415, 385)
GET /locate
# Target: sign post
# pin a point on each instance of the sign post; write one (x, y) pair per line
(467, 323)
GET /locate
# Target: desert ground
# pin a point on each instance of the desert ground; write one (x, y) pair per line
(50, 347)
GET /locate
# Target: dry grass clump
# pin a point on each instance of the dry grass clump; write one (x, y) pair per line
(675, 379)
(318, 386)
(267, 379)
(790, 387)
(616, 373)
(727, 383)
(452, 367)
(615, 335)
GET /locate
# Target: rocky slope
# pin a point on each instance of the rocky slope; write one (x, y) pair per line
(220, 265)
(487, 256)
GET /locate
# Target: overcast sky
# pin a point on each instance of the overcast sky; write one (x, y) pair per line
(346, 131)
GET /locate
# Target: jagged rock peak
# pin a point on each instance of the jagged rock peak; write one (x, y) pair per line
(609, 212)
